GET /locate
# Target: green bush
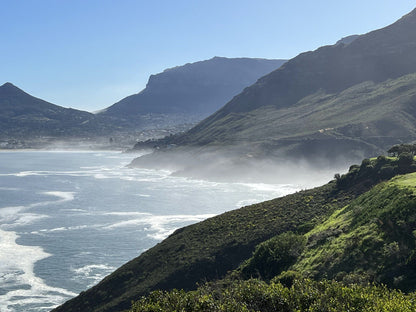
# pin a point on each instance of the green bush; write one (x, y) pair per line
(405, 161)
(255, 296)
(274, 256)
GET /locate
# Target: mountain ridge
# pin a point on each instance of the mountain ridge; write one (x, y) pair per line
(203, 86)
(194, 88)
(253, 121)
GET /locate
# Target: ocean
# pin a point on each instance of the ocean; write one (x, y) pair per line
(69, 218)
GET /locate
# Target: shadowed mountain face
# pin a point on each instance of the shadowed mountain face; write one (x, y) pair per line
(353, 95)
(24, 115)
(194, 89)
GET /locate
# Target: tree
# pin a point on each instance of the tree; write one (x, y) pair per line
(397, 150)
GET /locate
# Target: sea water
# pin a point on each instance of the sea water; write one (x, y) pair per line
(68, 219)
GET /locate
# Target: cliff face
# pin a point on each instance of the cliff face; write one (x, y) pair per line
(194, 89)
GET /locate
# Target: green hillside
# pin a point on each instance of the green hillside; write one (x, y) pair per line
(372, 238)
(209, 249)
(329, 267)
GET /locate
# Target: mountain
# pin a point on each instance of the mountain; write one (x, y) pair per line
(172, 100)
(356, 224)
(23, 116)
(348, 100)
(192, 91)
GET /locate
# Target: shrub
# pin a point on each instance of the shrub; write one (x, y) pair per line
(274, 255)
(303, 296)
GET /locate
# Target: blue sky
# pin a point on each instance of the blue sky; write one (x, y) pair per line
(88, 54)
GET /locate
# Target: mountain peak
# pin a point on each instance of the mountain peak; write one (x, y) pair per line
(9, 89)
(8, 85)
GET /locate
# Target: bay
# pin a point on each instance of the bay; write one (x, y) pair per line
(69, 218)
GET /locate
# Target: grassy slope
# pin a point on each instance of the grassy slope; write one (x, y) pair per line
(372, 237)
(209, 249)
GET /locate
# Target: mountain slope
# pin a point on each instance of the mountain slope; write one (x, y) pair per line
(372, 239)
(339, 88)
(376, 56)
(207, 250)
(326, 129)
(196, 89)
(24, 116)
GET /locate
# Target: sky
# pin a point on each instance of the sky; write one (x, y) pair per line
(89, 54)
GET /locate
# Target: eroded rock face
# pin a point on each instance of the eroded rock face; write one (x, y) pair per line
(197, 88)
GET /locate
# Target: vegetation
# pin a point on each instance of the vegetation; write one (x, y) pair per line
(209, 249)
(274, 256)
(370, 239)
(326, 266)
(398, 150)
(255, 295)
(283, 234)
(376, 170)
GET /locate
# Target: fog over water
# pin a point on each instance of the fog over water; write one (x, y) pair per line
(67, 219)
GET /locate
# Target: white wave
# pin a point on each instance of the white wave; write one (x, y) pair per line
(24, 219)
(9, 188)
(269, 187)
(101, 176)
(160, 226)
(20, 174)
(93, 272)
(118, 171)
(128, 178)
(126, 213)
(86, 270)
(18, 215)
(64, 196)
(75, 210)
(62, 229)
(15, 216)
(12, 210)
(18, 262)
